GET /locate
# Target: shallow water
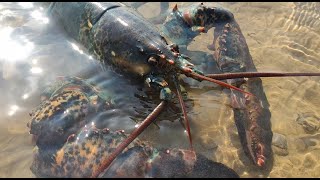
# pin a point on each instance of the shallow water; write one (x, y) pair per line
(282, 36)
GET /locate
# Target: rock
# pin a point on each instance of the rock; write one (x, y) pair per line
(309, 122)
(309, 161)
(311, 140)
(280, 141)
(279, 144)
(300, 145)
(279, 151)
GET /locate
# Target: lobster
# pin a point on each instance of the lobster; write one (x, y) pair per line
(121, 37)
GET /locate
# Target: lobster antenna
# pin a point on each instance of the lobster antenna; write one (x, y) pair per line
(184, 111)
(201, 77)
(256, 74)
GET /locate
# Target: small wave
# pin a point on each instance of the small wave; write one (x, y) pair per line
(304, 15)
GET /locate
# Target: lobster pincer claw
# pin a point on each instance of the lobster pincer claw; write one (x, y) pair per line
(207, 17)
(177, 29)
(182, 26)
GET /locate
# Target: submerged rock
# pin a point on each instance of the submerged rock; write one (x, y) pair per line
(311, 141)
(279, 144)
(309, 121)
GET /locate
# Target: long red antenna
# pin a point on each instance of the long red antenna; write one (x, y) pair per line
(184, 111)
(195, 75)
(256, 74)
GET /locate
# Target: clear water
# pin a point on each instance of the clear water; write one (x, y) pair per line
(282, 36)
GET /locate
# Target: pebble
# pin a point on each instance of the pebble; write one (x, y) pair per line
(309, 161)
(280, 144)
(300, 145)
(309, 122)
(307, 142)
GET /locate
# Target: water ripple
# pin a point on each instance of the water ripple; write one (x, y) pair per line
(304, 15)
